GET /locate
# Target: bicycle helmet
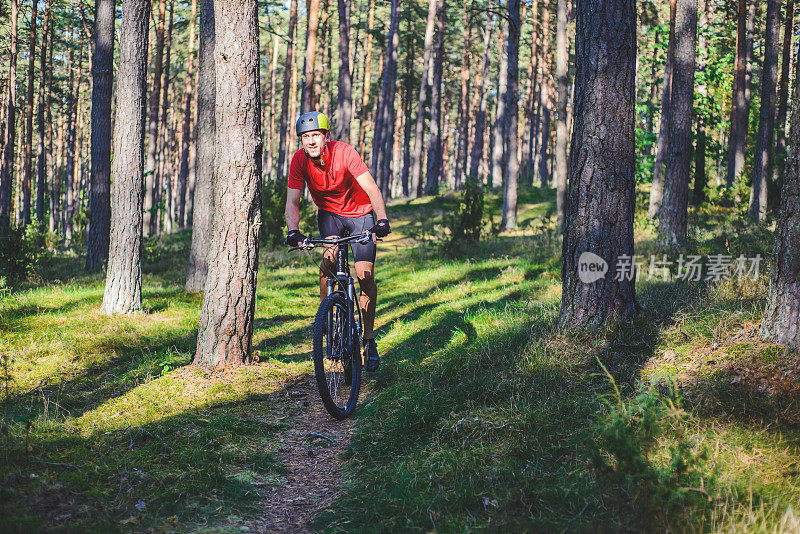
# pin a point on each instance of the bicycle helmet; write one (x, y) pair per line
(313, 120)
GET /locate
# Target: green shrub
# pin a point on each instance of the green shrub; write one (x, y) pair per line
(273, 220)
(20, 253)
(466, 223)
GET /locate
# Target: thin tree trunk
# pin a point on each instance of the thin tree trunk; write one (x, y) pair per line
(419, 129)
(344, 100)
(9, 138)
(672, 215)
(269, 144)
(786, 60)
(599, 224)
(657, 187)
(766, 122)
(41, 174)
(151, 174)
(700, 179)
(203, 203)
(186, 135)
(123, 292)
(321, 98)
(308, 99)
(287, 89)
(545, 99)
(511, 117)
(164, 175)
(737, 139)
(73, 152)
(367, 82)
(407, 122)
(498, 132)
(781, 322)
(463, 98)
(225, 334)
(562, 132)
(476, 155)
(384, 127)
(434, 167)
(102, 89)
(27, 162)
(526, 164)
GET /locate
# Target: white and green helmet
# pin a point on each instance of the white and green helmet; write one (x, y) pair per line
(313, 120)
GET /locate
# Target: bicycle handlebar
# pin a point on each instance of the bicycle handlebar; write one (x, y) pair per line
(310, 243)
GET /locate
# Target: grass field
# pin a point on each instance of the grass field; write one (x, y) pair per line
(483, 417)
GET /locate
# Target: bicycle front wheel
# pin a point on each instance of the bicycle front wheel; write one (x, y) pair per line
(337, 357)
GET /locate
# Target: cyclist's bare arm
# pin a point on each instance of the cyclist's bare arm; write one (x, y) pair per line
(292, 209)
(369, 186)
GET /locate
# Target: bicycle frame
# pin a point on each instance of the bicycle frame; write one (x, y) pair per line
(344, 281)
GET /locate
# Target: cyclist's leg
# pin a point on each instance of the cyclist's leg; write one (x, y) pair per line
(330, 226)
(364, 256)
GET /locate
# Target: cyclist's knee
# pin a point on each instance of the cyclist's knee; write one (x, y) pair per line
(366, 280)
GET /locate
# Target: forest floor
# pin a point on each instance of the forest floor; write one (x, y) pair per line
(482, 417)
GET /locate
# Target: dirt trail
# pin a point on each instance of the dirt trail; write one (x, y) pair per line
(311, 449)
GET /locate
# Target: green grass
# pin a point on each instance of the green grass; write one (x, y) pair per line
(483, 416)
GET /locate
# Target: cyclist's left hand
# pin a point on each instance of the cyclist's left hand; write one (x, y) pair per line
(382, 228)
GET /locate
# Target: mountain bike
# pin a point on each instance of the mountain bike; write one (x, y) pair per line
(337, 332)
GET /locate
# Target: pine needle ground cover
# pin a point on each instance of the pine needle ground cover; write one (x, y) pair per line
(482, 418)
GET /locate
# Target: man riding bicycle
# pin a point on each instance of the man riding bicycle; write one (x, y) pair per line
(347, 198)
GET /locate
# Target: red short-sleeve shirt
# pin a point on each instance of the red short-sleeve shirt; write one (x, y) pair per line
(333, 185)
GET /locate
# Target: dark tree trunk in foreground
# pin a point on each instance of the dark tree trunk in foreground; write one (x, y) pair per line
(123, 293)
(203, 204)
(102, 85)
(739, 101)
(672, 215)
(7, 165)
(384, 127)
(476, 154)
(786, 60)
(511, 118)
(41, 174)
(285, 93)
(601, 165)
(344, 101)
(225, 335)
(766, 122)
(657, 188)
(562, 134)
(781, 322)
(27, 156)
(435, 148)
(419, 129)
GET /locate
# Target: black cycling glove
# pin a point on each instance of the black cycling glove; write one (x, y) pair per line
(381, 229)
(294, 238)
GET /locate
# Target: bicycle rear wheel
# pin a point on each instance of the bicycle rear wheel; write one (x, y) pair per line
(337, 357)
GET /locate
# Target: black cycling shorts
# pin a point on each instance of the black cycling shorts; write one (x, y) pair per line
(332, 224)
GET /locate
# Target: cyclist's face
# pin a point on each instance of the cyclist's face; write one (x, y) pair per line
(313, 142)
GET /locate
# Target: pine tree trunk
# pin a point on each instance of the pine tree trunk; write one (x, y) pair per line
(657, 188)
(419, 128)
(151, 177)
(163, 175)
(186, 135)
(123, 293)
(545, 99)
(781, 322)
(366, 81)
(498, 132)
(102, 87)
(269, 143)
(786, 60)
(463, 99)
(308, 99)
(434, 167)
(672, 215)
(737, 139)
(526, 164)
(384, 127)
(73, 148)
(287, 91)
(203, 203)
(476, 154)
(27, 161)
(766, 122)
(511, 117)
(602, 165)
(225, 334)
(41, 174)
(562, 133)
(7, 164)
(344, 100)
(700, 179)
(408, 90)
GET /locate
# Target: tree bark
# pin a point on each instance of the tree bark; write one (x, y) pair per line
(511, 118)
(786, 60)
(498, 132)
(163, 160)
(123, 293)
(41, 173)
(225, 334)
(186, 136)
(419, 129)
(7, 165)
(672, 215)
(408, 91)
(476, 154)
(384, 127)
(102, 89)
(602, 165)
(781, 322)
(434, 167)
(203, 209)
(545, 99)
(562, 132)
(366, 81)
(737, 140)
(700, 179)
(269, 144)
(463, 99)
(308, 99)
(73, 148)
(27, 158)
(766, 121)
(344, 100)
(287, 90)
(657, 187)
(151, 172)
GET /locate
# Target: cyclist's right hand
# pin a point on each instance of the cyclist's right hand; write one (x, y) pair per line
(294, 238)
